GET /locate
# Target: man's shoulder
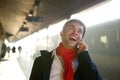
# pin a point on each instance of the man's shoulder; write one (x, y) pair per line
(45, 53)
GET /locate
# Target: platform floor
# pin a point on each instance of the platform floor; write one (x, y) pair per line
(10, 69)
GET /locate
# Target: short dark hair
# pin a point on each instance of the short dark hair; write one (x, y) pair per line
(78, 21)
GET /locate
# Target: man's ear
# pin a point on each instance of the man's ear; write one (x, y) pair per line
(61, 33)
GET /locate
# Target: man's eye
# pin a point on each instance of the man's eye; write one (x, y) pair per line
(71, 29)
(80, 31)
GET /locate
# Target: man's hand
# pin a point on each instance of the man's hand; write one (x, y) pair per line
(82, 47)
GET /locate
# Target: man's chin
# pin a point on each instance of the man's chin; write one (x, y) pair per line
(73, 45)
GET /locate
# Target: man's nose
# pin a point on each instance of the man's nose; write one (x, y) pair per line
(75, 31)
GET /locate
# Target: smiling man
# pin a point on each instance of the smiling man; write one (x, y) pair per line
(70, 60)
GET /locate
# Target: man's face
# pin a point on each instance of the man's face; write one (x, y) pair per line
(72, 35)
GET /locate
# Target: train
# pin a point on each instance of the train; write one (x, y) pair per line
(104, 46)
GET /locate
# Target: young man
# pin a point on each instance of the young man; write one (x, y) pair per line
(70, 60)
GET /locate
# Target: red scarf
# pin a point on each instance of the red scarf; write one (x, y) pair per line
(67, 55)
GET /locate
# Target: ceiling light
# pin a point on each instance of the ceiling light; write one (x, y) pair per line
(30, 13)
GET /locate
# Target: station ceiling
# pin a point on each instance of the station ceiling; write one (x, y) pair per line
(17, 23)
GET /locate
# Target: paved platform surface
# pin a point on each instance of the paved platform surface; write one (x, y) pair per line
(10, 69)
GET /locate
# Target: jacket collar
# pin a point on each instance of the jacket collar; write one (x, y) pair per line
(47, 62)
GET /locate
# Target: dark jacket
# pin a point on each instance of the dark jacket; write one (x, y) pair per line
(85, 71)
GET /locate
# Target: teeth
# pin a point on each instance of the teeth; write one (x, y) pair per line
(73, 38)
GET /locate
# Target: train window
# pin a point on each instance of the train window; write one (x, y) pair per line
(103, 41)
(92, 41)
(117, 38)
(117, 35)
